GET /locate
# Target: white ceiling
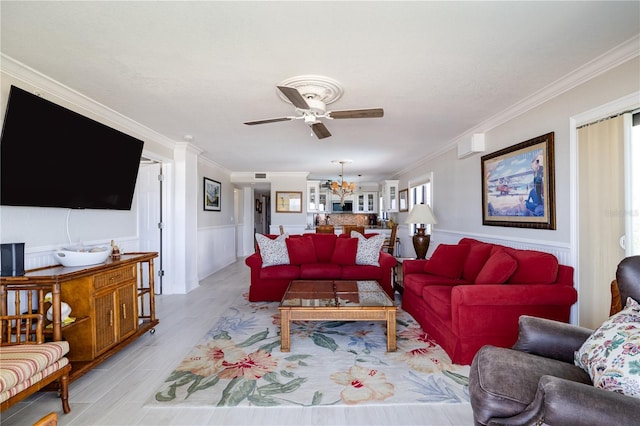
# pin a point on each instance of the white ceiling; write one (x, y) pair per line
(439, 69)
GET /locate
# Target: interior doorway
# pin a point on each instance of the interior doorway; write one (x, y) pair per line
(262, 211)
(150, 214)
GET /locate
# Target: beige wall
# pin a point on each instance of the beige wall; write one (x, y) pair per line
(457, 184)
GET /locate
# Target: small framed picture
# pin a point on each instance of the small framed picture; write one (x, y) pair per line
(212, 192)
(289, 202)
(404, 200)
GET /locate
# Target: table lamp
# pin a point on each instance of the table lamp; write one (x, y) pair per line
(421, 214)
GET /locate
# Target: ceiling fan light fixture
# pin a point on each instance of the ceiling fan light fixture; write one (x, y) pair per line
(316, 87)
(310, 96)
(317, 107)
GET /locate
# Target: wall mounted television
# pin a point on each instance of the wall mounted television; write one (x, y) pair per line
(51, 156)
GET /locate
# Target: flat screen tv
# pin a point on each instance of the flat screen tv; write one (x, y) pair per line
(336, 207)
(51, 156)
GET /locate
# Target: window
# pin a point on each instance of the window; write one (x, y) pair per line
(420, 193)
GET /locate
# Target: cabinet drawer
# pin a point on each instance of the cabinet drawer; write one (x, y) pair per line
(114, 277)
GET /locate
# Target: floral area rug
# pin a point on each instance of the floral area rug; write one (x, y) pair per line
(239, 363)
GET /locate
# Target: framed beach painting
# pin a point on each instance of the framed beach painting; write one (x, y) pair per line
(518, 187)
(288, 202)
(212, 189)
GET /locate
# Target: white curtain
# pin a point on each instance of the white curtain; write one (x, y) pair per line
(632, 183)
(601, 204)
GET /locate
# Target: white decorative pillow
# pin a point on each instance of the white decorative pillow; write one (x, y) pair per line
(273, 252)
(368, 248)
(611, 355)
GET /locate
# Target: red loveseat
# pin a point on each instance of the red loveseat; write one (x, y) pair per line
(473, 293)
(315, 256)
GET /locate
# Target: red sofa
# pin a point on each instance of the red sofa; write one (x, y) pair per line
(473, 293)
(315, 256)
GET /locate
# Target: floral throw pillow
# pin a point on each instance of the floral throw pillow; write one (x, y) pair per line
(273, 252)
(611, 355)
(368, 248)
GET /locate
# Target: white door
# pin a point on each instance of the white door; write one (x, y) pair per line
(149, 190)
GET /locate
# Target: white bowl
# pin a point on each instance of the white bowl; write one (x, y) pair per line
(82, 257)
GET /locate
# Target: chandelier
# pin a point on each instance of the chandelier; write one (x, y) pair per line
(342, 188)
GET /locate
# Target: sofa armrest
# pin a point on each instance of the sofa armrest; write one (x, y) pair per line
(254, 261)
(387, 261)
(550, 339)
(415, 266)
(567, 402)
(564, 402)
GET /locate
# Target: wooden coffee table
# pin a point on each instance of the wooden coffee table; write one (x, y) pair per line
(324, 300)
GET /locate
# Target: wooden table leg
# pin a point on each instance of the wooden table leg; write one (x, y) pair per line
(391, 330)
(285, 321)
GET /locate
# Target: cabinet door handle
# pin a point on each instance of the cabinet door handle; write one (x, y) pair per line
(124, 311)
(111, 318)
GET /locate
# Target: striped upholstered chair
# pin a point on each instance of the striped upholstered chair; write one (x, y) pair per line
(27, 364)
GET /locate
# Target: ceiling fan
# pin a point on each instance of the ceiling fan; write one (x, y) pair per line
(311, 106)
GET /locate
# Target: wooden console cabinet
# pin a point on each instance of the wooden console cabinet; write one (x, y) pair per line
(113, 304)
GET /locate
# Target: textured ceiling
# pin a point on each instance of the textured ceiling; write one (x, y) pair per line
(439, 69)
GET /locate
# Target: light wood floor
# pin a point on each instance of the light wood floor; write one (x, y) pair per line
(115, 392)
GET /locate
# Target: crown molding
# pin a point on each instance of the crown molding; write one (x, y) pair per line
(620, 54)
(43, 83)
(209, 162)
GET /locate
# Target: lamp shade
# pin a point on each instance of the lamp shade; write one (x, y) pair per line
(421, 214)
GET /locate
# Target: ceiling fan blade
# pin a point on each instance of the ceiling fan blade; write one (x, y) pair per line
(294, 96)
(357, 113)
(320, 130)
(269, 120)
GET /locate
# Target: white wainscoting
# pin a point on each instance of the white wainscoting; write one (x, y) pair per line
(560, 251)
(216, 249)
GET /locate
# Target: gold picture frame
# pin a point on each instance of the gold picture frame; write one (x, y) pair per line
(403, 205)
(518, 185)
(288, 201)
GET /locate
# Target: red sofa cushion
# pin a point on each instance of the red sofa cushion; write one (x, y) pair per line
(323, 271)
(301, 250)
(478, 254)
(345, 251)
(414, 283)
(534, 267)
(497, 270)
(447, 260)
(324, 244)
(361, 272)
